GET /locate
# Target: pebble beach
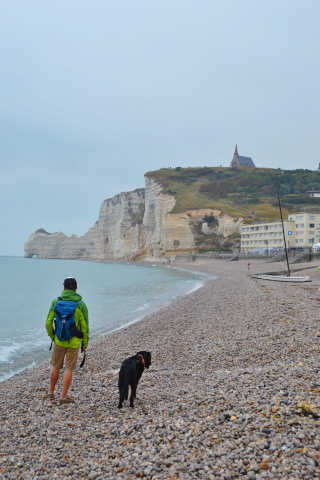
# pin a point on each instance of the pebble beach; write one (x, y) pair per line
(233, 391)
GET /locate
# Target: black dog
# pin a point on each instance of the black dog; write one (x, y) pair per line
(130, 374)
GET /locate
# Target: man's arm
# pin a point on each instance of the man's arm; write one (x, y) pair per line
(49, 324)
(83, 327)
(85, 313)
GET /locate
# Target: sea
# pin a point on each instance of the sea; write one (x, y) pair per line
(116, 294)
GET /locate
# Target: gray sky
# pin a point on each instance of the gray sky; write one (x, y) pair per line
(96, 93)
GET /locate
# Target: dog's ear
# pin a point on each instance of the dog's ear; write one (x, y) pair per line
(147, 357)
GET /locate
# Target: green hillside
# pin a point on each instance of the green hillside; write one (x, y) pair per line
(249, 193)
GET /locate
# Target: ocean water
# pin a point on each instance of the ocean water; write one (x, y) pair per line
(116, 295)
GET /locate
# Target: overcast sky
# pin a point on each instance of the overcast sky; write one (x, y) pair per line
(94, 94)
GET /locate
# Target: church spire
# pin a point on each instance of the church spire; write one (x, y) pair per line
(236, 151)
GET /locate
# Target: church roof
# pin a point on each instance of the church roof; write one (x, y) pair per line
(246, 160)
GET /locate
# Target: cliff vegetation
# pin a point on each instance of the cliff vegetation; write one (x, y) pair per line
(249, 193)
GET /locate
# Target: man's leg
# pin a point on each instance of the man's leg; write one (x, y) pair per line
(57, 363)
(54, 379)
(66, 382)
(71, 362)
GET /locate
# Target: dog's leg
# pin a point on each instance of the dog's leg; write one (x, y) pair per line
(120, 399)
(121, 389)
(133, 394)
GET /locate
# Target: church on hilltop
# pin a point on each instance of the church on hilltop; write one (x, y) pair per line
(239, 161)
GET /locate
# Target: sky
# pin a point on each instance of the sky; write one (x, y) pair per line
(94, 94)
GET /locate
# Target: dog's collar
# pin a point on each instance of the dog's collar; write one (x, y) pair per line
(142, 360)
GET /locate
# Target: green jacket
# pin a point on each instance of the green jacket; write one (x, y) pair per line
(81, 319)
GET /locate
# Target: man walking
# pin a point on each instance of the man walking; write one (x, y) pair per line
(67, 350)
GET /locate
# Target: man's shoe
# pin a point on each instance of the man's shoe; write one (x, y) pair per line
(48, 396)
(66, 400)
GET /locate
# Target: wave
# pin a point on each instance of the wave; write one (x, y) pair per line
(10, 373)
(7, 351)
(142, 308)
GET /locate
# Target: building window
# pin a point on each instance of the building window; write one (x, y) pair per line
(311, 225)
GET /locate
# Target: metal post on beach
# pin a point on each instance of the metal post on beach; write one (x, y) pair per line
(284, 237)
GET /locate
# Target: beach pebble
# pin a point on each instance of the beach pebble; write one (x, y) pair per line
(229, 393)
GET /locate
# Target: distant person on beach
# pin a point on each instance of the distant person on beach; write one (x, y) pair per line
(249, 266)
(67, 350)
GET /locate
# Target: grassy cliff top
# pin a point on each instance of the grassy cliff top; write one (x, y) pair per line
(251, 193)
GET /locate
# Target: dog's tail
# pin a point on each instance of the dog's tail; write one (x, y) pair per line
(124, 384)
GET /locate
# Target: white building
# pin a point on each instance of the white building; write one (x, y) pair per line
(300, 229)
(314, 193)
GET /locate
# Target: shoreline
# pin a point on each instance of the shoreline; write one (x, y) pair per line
(38, 361)
(231, 363)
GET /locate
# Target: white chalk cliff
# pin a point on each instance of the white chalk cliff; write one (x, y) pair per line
(133, 225)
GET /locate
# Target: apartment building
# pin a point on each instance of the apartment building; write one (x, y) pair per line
(300, 231)
(306, 228)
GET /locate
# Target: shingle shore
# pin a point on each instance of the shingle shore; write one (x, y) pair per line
(229, 394)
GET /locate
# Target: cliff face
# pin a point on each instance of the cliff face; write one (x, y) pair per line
(118, 233)
(133, 225)
(120, 228)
